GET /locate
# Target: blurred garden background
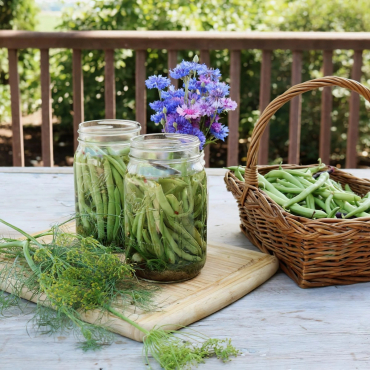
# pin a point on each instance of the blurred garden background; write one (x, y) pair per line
(181, 15)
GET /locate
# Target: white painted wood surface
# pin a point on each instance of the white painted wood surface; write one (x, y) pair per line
(277, 326)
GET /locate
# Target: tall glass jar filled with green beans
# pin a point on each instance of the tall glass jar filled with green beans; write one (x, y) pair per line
(166, 207)
(100, 164)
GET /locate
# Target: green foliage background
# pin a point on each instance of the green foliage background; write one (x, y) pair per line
(210, 15)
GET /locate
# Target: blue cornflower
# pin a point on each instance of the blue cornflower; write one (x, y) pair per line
(213, 74)
(157, 82)
(184, 68)
(180, 71)
(157, 105)
(172, 104)
(219, 131)
(218, 90)
(183, 126)
(156, 118)
(200, 136)
(173, 93)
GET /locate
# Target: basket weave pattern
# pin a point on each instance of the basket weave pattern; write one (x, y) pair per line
(312, 252)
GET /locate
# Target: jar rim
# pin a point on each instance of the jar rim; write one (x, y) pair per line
(176, 142)
(108, 127)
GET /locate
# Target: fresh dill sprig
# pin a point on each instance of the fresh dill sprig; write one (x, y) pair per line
(74, 274)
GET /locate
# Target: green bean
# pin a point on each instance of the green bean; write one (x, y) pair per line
(139, 228)
(111, 201)
(285, 189)
(192, 245)
(327, 203)
(117, 158)
(185, 204)
(298, 173)
(97, 198)
(363, 207)
(174, 203)
(157, 245)
(118, 212)
(287, 184)
(178, 250)
(147, 237)
(234, 168)
(309, 190)
(287, 176)
(299, 210)
(270, 187)
(238, 175)
(310, 201)
(347, 188)
(165, 205)
(338, 195)
(333, 212)
(80, 194)
(119, 183)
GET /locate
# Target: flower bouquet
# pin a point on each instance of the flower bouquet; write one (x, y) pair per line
(197, 107)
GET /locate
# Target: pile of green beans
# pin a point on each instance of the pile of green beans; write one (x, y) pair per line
(99, 192)
(166, 223)
(310, 192)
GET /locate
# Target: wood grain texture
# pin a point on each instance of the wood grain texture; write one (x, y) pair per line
(78, 93)
(109, 85)
(233, 116)
(205, 58)
(326, 108)
(265, 97)
(171, 64)
(229, 274)
(354, 113)
(170, 40)
(295, 111)
(277, 326)
(17, 128)
(47, 124)
(140, 89)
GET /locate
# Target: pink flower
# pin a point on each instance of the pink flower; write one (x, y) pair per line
(188, 113)
(227, 104)
(205, 108)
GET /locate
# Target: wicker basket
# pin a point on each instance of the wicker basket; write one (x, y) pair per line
(313, 253)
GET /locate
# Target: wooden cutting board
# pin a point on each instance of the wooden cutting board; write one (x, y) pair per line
(229, 274)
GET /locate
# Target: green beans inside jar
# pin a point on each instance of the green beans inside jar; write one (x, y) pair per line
(100, 164)
(166, 207)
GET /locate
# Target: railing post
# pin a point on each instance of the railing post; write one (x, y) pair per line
(140, 90)
(109, 85)
(326, 108)
(171, 64)
(205, 58)
(233, 139)
(78, 93)
(354, 114)
(265, 96)
(47, 124)
(17, 128)
(295, 111)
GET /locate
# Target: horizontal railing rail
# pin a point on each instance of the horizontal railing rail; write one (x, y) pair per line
(173, 41)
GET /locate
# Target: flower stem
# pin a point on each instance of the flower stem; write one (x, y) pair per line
(133, 323)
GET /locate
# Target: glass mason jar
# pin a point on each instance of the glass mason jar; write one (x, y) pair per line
(100, 164)
(166, 207)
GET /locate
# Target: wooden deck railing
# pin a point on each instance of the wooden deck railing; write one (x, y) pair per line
(140, 41)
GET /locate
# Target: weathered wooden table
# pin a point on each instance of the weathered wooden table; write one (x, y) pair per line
(277, 326)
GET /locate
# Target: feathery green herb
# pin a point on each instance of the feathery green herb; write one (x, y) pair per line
(73, 274)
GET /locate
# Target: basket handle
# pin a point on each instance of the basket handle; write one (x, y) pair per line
(250, 175)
